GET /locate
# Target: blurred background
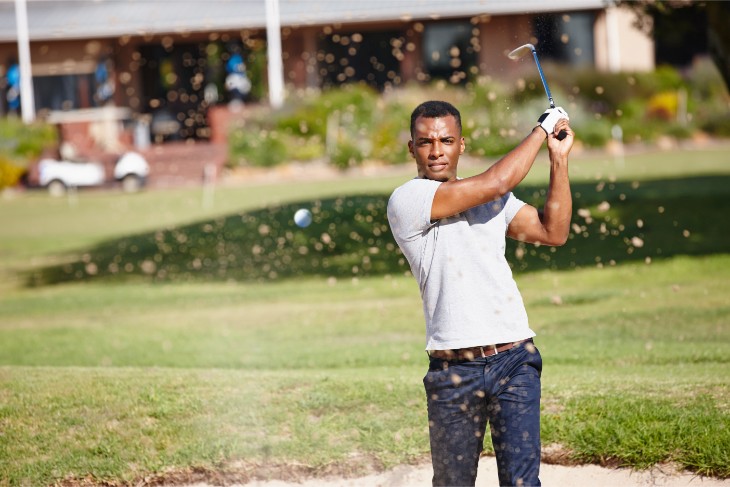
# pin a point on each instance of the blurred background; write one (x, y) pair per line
(200, 89)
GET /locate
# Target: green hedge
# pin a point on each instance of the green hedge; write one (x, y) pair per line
(354, 123)
(22, 142)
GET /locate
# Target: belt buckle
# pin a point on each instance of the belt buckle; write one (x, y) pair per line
(495, 347)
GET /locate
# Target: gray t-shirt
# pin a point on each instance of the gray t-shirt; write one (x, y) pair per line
(469, 295)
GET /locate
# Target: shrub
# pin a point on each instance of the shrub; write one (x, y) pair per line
(353, 122)
(595, 133)
(390, 133)
(258, 146)
(21, 141)
(604, 92)
(346, 154)
(485, 143)
(679, 131)
(717, 124)
(663, 105)
(641, 130)
(10, 174)
(705, 80)
(355, 102)
(663, 78)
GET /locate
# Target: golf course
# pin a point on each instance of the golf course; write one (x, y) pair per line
(199, 334)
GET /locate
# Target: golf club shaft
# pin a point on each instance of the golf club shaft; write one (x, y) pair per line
(562, 133)
(542, 78)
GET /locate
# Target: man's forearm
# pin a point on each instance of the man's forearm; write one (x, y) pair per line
(510, 170)
(455, 196)
(559, 205)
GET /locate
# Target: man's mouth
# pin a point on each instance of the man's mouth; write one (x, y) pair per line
(437, 166)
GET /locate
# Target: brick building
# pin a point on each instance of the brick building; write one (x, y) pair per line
(164, 62)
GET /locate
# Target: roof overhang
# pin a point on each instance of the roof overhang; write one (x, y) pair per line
(97, 19)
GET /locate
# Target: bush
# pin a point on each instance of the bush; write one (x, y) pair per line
(595, 133)
(346, 154)
(642, 130)
(678, 131)
(348, 125)
(717, 124)
(353, 123)
(10, 174)
(25, 142)
(705, 80)
(355, 102)
(258, 146)
(390, 132)
(20, 144)
(663, 105)
(663, 78)
(603, 92)
(486, 144)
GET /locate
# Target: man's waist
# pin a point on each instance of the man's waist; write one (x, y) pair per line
(480, 351)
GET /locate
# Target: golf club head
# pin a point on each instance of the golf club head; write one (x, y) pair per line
(521, 51)
(530, 49)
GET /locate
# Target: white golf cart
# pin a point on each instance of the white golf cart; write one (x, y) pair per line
(131, 169)
(98, 132)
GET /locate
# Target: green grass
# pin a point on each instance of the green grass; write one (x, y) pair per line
(120, 376)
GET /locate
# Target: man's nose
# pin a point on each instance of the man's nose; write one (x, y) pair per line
(436, 150)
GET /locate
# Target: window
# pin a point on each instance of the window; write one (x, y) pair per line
(448, 52)
(566, 38)
(371, 57)
(64, 92)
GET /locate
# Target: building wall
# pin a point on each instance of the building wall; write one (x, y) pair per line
(60, 57)
(619, 45)
(498, 37)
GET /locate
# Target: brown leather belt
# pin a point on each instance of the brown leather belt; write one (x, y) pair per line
(472, 353)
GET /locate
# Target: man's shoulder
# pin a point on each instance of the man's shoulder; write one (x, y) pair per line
(412, 191)
(416, 185)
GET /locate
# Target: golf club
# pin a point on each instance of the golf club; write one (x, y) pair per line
(522, 51)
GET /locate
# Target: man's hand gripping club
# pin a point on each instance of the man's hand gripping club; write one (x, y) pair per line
(548, 120)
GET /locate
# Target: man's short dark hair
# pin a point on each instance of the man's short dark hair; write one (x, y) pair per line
(435, 109)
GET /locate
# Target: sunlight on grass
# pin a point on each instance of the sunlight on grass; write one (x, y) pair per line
(283, 346)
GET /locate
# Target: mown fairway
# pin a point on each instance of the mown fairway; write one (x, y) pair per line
(151, 332)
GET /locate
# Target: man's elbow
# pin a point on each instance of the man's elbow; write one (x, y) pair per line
(559, 242)
(554, 239)
(551, 234)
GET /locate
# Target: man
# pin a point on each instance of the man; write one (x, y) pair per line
(483, 365)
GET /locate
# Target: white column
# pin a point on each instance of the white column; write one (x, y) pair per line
(613, 39)
(27, 98)
(273, 51)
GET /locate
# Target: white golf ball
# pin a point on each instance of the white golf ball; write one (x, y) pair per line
(303, 217)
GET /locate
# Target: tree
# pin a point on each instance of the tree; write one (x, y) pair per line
(678, 23)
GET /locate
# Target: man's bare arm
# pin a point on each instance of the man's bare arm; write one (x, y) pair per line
(552, 225)
(453, 197)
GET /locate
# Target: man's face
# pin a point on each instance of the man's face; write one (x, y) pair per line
(436, 146)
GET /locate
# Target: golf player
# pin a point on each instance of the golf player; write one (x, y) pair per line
(483, 364)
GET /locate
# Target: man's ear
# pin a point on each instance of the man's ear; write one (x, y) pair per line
(463, 146)
(410, 149)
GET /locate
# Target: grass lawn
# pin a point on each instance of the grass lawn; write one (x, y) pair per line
(146, 333)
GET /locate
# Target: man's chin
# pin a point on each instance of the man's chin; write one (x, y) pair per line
(442, 178)
(442, 175)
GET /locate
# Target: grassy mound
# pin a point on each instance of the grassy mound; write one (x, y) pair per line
(349, 237)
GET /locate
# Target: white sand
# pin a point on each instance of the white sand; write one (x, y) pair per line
(550, 475)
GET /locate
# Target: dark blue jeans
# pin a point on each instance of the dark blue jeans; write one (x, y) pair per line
(462, 396)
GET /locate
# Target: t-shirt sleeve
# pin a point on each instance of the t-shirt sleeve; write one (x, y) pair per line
(409, 209)
(512, 206)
